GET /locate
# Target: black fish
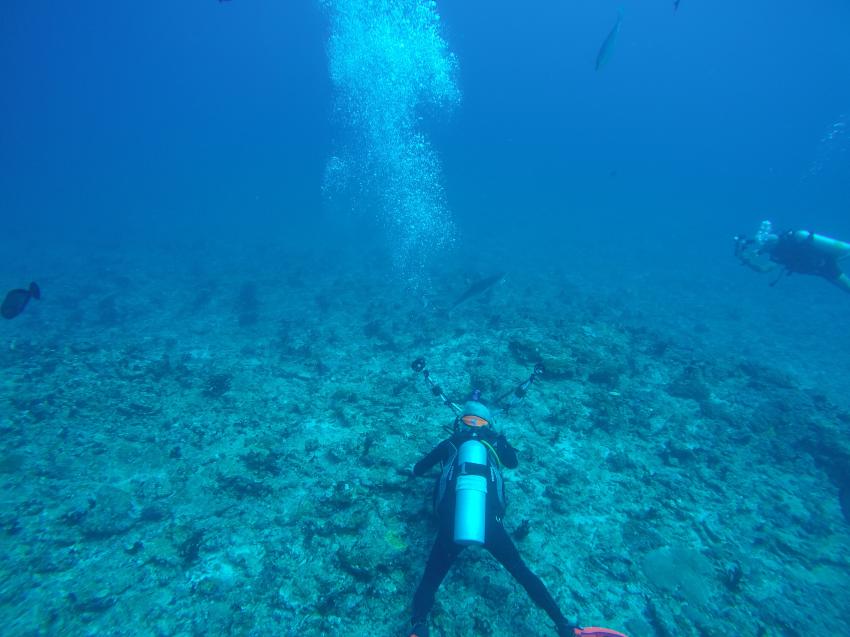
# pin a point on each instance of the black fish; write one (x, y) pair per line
(16, 301)
(480, 286)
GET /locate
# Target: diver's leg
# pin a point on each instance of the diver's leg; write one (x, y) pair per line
(503, 549)
(842, 281)
(443, 554)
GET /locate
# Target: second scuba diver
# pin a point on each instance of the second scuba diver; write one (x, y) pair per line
(469, 499)
(798, 251)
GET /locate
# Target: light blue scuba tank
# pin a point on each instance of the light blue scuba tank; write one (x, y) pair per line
(826, 245)
(471, 493)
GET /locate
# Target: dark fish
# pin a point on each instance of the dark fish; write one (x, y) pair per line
(607, 47)
(676, 5)
(16, 301)
(479, 287)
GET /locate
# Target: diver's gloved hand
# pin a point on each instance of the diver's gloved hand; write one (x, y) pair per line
(596, 631)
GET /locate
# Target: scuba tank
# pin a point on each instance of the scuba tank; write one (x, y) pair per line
(471, 493)
(825, 245)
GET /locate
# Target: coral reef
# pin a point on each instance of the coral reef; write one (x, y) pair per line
(170, 470)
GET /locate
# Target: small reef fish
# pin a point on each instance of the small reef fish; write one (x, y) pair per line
(16, 301)
(479, 287)
(607, 47)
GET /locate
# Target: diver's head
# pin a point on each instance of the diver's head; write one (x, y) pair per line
(475, 415)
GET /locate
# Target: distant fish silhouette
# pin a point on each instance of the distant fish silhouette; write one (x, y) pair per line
(479, 287)
(676, 5)
(844, 501)
(607, 47)
(16, 301)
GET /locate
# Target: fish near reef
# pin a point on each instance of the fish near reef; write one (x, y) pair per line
(16, 301)
(479, 287)
(607, 47)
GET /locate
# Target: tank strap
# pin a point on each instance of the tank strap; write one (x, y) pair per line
(473, 469)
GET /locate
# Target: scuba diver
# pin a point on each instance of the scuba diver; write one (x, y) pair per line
(798, 251)
(469, 499)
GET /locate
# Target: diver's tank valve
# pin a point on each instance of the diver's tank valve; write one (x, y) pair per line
(471, 493)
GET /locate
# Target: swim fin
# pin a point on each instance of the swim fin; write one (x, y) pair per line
(596, 631)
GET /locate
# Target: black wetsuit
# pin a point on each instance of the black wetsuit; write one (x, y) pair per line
(801, 256)
(497, 541)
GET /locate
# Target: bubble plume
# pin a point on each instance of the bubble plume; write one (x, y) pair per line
(390, 68)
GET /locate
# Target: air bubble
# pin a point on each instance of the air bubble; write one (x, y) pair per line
(387, 60)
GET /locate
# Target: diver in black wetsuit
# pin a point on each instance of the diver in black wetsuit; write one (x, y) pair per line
(797, 251)
(469, 499)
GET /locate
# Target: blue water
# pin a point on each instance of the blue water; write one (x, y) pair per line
(246, 216)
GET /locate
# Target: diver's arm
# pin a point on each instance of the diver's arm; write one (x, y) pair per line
(507, 453)
(747, 251)
(841, 281)
(753, 263)
(433, 456)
